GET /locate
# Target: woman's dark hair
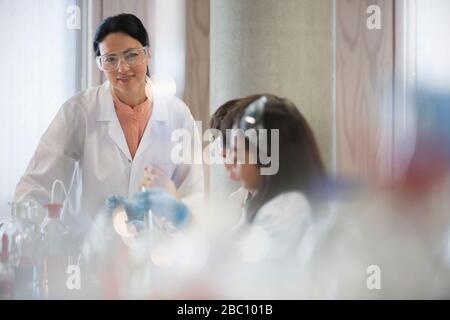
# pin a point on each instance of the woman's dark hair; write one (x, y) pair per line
(300, 164)
(125, 23)
(223, 118)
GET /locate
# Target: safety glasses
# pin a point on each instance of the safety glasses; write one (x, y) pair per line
(132, 57)
(253, 116)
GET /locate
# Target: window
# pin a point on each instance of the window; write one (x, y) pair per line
(38, 74)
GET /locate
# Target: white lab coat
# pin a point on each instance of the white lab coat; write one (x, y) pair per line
(235, 206)
(283, 220)
(85, 148)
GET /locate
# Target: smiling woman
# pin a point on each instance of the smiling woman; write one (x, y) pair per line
(122, 48)
(112, 132)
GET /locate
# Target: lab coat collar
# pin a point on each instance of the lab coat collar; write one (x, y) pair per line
(106, 111)
(159, 111)
(105, 108)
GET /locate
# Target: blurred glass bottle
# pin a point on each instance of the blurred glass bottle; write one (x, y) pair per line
(6, 271)
(13, 229)
(28, 242)
(56, 257)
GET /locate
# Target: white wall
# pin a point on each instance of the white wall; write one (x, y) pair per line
(38, 75)
(433, 45)
(280, 47)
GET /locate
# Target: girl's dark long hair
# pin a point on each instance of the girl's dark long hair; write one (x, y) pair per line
(300, 164)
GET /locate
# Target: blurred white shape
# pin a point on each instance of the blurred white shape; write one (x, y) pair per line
(433, 65)
(169, 40)
(120, 222)
(160, 255)
(255, 246)
(163, 87)
(126, 231)
(190, 253)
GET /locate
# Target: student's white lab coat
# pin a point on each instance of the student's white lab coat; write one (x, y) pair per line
(85, 148)
(236, 202)
(282, 221)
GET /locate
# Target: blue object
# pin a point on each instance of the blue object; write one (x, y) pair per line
(165, 205)
(433, 114)
(157, 200)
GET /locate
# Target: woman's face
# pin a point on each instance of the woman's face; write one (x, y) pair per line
(241, 165)
(249, 173)
(250, 176)
(125, 78)
(230, 164)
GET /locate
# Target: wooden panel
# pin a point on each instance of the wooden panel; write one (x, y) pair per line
(364, 90)
(196, 93)
(137, 7)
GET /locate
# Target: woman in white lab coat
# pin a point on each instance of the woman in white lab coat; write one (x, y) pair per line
(282, 200)
(103, 139)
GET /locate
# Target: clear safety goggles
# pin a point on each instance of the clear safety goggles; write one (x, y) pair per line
(249, 128)
(132, 57)
(253, 116)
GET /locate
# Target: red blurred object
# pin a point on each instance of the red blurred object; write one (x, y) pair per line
(6, 272)
(427, 169)
(54, 210)
(5, 248)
